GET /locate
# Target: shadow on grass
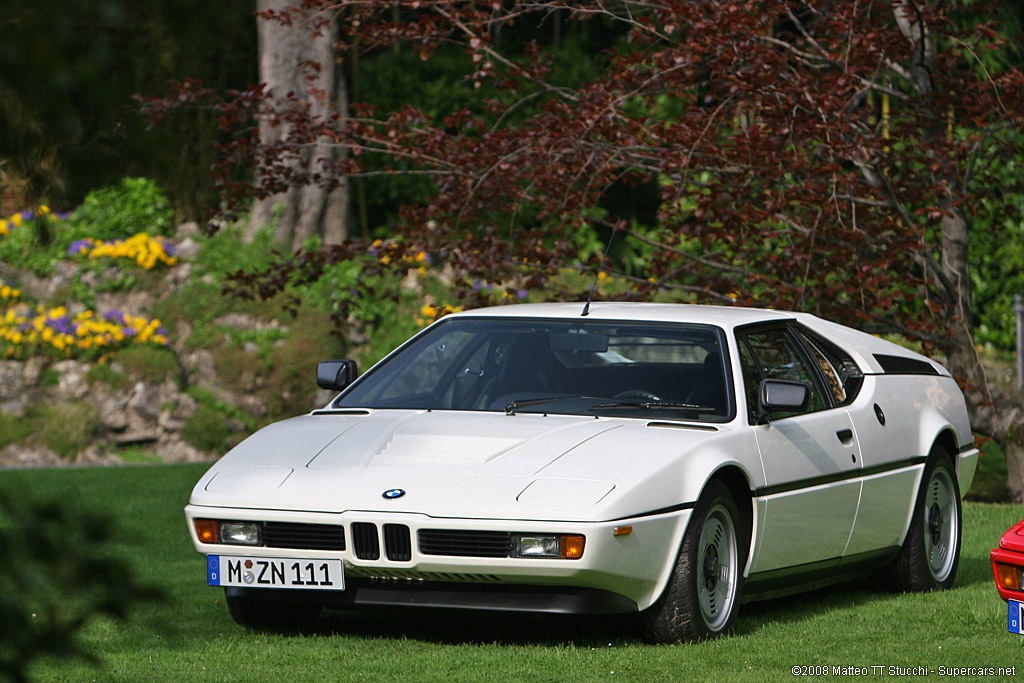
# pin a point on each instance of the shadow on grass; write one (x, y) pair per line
(455, 627)
(459, 627)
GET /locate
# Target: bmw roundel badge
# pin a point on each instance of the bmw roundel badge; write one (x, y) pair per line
(392, 494)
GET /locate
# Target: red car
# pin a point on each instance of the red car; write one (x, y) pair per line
(1008, 569)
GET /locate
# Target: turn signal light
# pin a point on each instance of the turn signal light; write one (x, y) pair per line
(1009, 576)
(207, 530)
(572, 547)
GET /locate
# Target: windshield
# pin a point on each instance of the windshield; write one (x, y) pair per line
(573, 367)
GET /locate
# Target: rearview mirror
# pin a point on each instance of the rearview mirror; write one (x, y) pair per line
(336, 374)
(783, 396)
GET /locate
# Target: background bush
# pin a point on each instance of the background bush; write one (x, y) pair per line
(118, 211)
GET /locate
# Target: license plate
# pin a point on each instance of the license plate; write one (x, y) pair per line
(1016, 610)
(274, 572)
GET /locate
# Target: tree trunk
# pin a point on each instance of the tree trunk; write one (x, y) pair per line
(306, 210)
(1000, 417)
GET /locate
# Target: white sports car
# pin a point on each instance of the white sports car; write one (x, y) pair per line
(670, 460)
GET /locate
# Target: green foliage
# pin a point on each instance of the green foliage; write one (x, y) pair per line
(990, 478)
(377, 301)
(148, 364)
(66, 428)
(24, 247)
(133, 455)
(102, 373)
(119, 211)
(209, 399)
(206, 430)
(57, 576)
(997, 255)
(13, 429)
(292, 371)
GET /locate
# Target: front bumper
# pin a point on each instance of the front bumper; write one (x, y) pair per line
(621, 572)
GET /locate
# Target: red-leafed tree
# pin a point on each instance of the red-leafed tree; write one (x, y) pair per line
(828, 157)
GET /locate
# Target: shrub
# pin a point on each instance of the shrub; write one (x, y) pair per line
(68, 428)
(57, 575)
(206, 430)
(119, 211)
(150, 364)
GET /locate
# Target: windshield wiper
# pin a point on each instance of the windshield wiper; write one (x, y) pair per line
(511, 408)
(653, 405)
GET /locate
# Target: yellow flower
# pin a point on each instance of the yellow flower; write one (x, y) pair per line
(16, 220)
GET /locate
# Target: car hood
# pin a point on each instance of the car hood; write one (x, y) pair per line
(1013, 539)
(459, 464)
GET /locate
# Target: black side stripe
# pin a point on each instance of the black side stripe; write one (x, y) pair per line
(661, 511)
(805, 483)
(849, 475)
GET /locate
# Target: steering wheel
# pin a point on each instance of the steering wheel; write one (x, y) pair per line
(637, 395)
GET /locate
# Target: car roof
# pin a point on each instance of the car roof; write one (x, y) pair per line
(722, 316)
(861, 345)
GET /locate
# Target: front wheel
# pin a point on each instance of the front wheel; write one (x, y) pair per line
(702, 596)
(931, 552)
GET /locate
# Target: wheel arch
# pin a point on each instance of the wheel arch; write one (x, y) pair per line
(739, 486)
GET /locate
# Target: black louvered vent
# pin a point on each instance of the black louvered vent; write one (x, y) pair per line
(464, 543)
(397, 542)
(365, 541)
(303, 536)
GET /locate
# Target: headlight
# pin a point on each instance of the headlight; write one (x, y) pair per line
(232, 533)
(553, 546)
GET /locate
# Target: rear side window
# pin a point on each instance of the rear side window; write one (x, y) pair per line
(842, 374)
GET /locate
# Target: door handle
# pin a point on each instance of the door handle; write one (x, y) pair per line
(845, 436)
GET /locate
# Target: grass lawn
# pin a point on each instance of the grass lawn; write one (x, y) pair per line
(190, 636)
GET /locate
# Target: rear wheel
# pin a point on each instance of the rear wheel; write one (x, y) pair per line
(931, 552)
(702, 596)
(265, 612)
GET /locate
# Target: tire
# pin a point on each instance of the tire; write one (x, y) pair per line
(930, 553)
(701, 599)
(265, 613)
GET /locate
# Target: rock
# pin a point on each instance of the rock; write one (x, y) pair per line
(134, 437)
(237, 321)
(173, 449)
(114, 413)
(11, 372)
(187, 249)
(186, 231)
(200, 366)
(19, 455)
(33, 370)
(145, 401)
(72, 382)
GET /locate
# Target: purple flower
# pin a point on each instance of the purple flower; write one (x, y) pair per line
(62, 324)
(169, 247)
(80, 247)
(114, 316)
(522, 293)
(27, 215)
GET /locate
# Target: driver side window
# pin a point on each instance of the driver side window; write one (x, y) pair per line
(773, 354)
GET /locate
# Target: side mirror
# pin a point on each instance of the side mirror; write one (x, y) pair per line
(336, 374)
(782, 395)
